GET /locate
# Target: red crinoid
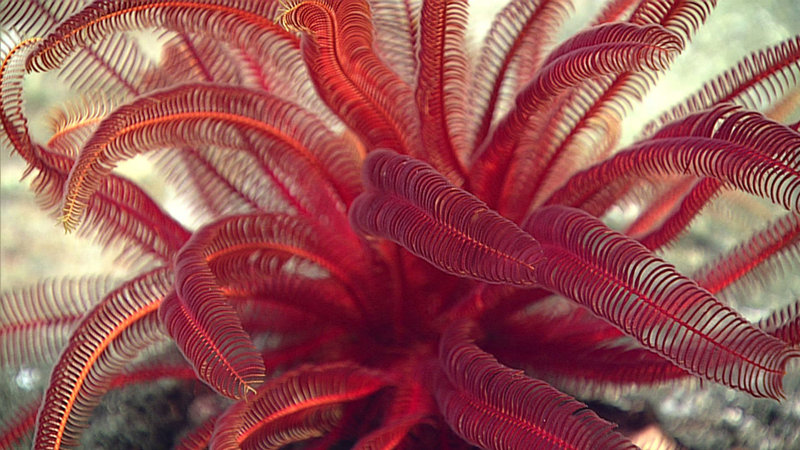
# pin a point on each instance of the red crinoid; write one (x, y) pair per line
(388, 225)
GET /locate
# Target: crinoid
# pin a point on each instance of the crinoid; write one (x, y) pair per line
(396, 242)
